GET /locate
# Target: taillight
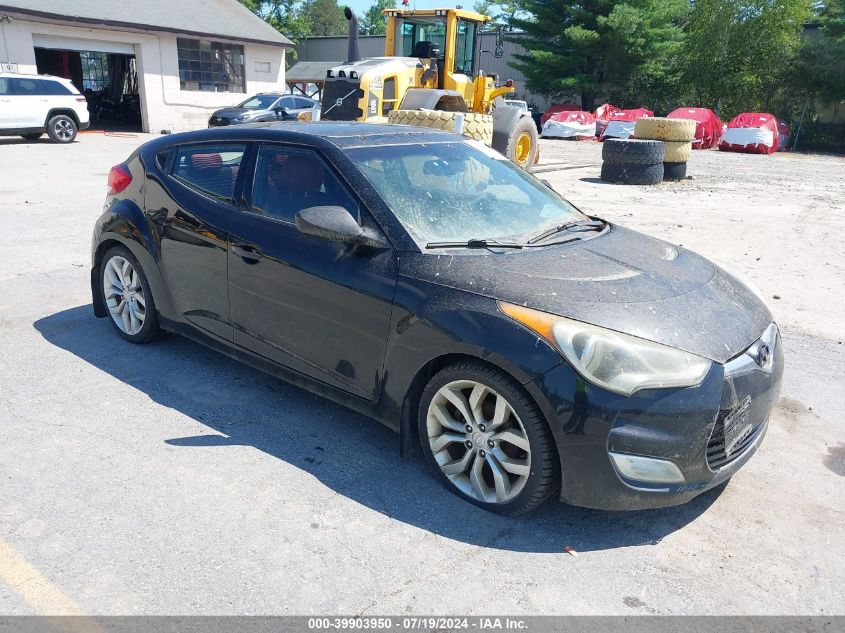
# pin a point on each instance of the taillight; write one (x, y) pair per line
(119, 179)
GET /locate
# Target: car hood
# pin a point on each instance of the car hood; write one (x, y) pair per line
(622, 280)
(233, 113)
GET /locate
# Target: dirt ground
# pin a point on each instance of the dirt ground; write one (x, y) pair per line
(778, 219)
(167, 479)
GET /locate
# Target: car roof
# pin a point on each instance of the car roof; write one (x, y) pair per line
(340, 134)
(32, 76)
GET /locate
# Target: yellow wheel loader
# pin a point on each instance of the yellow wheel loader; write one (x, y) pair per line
(430, 75)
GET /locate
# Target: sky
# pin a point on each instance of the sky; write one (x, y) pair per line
(359, 6)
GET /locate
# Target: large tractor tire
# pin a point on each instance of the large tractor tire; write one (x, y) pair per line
(663, 129)
(617, 151)
(677, 151)
(523, 143)
(476, 126)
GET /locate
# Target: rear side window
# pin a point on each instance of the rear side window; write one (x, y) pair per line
(304, 103)
(5, 86)
(47, 87)
(210, 169)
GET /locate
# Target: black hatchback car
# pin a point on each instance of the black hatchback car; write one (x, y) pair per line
(424, 280)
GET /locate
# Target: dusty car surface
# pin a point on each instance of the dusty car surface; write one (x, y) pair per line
(424, 280)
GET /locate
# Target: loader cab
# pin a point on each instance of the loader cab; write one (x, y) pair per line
(452, 34)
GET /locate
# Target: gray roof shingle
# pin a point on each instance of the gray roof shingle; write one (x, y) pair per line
(227, 19)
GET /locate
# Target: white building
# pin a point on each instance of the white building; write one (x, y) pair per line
(181, 59)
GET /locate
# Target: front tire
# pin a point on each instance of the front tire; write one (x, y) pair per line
(523, 143)
(127, 296)
(61, 129)
(486, 439)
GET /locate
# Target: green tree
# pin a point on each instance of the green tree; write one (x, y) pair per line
(373, 21)
(818, 74)
(324, 17)
(738, 55)
(285, 16)
(502, 12)
(590, 49)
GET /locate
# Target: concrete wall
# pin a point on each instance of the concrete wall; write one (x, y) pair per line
(164, 105)
(325, 49)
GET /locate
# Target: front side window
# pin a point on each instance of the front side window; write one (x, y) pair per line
(416, 30)
(210, 169)
(5, 86)
(210, 66)
(460, 191)
(288, 180)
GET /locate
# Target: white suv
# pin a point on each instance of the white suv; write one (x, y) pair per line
(33, 104)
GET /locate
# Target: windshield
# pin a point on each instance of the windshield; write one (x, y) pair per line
(461, 191)
(259, 102)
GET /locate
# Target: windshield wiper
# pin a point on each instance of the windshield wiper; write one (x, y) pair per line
(583, 225)
(474, 243)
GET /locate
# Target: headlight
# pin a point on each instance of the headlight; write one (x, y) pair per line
(617, 362)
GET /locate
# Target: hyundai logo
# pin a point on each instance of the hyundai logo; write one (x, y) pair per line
(763, 355)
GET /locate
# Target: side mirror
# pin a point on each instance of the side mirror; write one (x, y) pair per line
(280, 111)
(335, 224)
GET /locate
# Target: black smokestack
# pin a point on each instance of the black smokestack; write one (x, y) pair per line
(352, 54)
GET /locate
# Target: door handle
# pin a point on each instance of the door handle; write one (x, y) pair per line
(248, 254)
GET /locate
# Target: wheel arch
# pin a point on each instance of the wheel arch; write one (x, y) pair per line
(408, 422)
(66, 111)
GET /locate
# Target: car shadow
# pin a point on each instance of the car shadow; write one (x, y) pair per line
(16, 140)
(347, 452)
(596, 181)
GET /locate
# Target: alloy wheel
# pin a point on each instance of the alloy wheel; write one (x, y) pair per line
(478, 441)
(63, 129)
(124, 295)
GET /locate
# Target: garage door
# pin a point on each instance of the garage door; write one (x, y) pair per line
(78, 44)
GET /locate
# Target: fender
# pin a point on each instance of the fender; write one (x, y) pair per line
(426, 333)
(123, 222)
(504, 119)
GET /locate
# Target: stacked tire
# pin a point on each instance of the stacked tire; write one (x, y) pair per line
(677, 136)
(632, 161)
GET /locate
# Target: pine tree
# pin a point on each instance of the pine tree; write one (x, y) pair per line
(589, 49)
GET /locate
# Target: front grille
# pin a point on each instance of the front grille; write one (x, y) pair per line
(340, 100)
(746, 381)
(716, 456)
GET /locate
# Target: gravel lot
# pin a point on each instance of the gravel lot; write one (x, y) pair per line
(167, 479)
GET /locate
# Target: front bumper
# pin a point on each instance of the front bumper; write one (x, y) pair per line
(683, 426)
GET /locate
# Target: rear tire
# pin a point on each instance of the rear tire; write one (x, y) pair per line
(523, 143)
(61, 129)
(34, 136)
(127, 297)
(616, 151)
(632, 174)
(503, 458)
